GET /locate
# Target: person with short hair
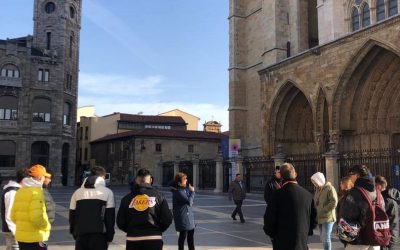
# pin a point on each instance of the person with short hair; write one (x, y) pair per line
(182, 202)
(291, 215)
(272, 185)
(237, 192)
(92, 213)
(29, 211)
(7, 201)
(50, 204)
(391, 196)
(144, 215)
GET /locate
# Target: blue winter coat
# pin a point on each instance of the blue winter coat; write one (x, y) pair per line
(182, 202)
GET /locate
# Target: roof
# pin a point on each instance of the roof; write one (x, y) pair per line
(178, 111)
(152, 119)
(165, 133)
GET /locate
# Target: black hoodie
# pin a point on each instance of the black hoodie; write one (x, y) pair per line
(144, 212)
(354, 207)
(392, 201)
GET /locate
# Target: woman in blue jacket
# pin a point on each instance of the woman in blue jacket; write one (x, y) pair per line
(182, 202)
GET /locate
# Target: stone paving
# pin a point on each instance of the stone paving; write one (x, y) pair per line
(215, 229)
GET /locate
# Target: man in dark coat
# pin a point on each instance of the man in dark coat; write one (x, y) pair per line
(391, 196)
(272, 185)
(237, 191)
(291, 215)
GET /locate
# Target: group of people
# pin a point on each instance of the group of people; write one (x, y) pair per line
(293, 213)
(27, 209)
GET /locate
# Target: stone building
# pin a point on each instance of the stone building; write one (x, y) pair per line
(311, 73)
(38, 91)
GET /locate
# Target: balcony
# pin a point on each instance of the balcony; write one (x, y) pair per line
(10, 82)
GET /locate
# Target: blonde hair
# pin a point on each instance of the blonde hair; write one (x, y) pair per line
(347, 183)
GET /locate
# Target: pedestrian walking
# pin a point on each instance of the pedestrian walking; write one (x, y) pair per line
(92, 213)
(325, 199)
(50, 204)
(182, 202)
(391, 196)
(291, 215)
(356, 210)
(144, 215)
(29, 211)
(272, 185)
(7, 201)
(237, 192)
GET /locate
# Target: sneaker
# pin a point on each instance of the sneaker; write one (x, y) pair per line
(233, 217)
(242, 221)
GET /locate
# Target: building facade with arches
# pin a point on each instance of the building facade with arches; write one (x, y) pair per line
(314, 76)
(38, 92)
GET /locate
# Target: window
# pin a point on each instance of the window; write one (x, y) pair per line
(67, 114)
(50, 7)
(86, 154)
(158, 126)
(355, 19)
(366, 20)
(86, 132)
(48, 40)
(7, 154)
(43, 75)
(71, 12)
(80, 154)
(158, 148)
(68, 84)
(393, 9)
(10, 70)
(71, 42)
(81, 133)
(40, 153)
(41, 110)
(380, 10)
(112, 148)
(190, 148)
(8, 108)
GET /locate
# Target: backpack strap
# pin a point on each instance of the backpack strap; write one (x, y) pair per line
(365, 194)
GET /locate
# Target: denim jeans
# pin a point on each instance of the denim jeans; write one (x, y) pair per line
(325, 231)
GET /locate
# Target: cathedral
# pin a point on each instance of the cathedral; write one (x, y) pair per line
(38, 92)
(311, 76)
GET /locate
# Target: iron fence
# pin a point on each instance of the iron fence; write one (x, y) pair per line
(207, 172)
(306, 165)
(379, 161)
(258, 170)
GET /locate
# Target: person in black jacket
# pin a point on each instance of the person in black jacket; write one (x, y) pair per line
(182, 202)
(144, 215)
(391, 196)
(272, 185)
(354, 208)
(92, 213)
(291, 215)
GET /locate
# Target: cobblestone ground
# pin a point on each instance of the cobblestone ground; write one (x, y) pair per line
(215, 229)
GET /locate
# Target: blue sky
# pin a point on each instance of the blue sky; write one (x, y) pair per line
(146, 56)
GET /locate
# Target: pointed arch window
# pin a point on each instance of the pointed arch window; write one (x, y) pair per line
(393, 9)
(380, 10)
(366, 18)
(355, 19)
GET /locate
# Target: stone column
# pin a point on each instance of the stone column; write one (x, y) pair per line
(196, 173)
(280, 156)
(239, 166)
(176, 164)
(219, 170)
(331, 164)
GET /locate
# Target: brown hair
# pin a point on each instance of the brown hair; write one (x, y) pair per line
(380, 180)
(288, 172)
(178, 178)
(348, 184)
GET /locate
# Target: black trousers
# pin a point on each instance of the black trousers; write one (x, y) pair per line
(144, 245)
(32, 246)
(91, 242)
(190, 239)
(238, 209)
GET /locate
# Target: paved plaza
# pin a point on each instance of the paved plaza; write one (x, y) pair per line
(215, 229)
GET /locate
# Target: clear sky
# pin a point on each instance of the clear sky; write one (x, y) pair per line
(146, 56)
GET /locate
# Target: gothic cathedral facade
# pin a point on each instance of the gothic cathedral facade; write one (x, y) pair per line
(306, 74)
(38, 92)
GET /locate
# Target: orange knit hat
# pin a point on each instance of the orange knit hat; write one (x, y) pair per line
(38, 171)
